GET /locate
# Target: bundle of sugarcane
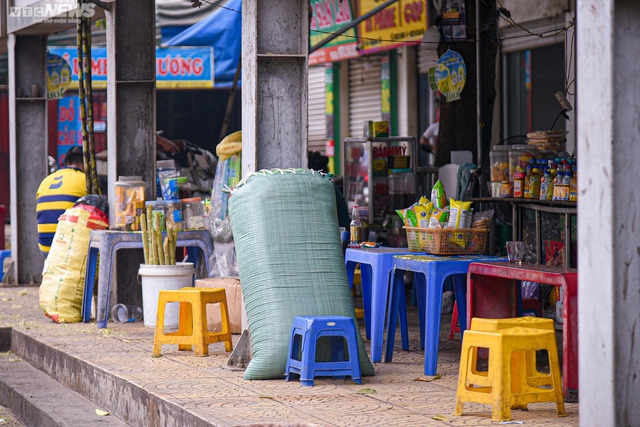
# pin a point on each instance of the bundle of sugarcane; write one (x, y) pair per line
(157, 252)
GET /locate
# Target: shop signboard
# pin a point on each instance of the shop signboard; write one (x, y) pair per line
(69, 125)
(327, 17)
(176, 67)
(402, 23)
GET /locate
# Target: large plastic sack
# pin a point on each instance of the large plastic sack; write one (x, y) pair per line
(290, 261)
(64, 269)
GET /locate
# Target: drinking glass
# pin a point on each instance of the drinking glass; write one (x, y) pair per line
(515, 251)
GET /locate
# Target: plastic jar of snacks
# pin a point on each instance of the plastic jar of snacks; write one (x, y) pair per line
(160, 207)
(129, 197)
(173, 214)
(193, 213)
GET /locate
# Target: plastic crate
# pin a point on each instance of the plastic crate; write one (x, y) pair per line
(447, 241)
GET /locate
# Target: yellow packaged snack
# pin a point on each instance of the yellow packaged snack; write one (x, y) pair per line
(458, 213)
(439, 217)
(423, 214)
(438, 195)
(408, 216)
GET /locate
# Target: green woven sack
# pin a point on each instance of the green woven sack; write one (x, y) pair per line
(290, 261)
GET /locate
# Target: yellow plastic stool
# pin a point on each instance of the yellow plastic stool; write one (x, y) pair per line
(534, 377)
(192, 329)
(500, 392)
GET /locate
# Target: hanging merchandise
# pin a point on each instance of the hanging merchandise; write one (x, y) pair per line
(453, 20)
(451, 75)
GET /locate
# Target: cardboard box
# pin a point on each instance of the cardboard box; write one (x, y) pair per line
(233, 290)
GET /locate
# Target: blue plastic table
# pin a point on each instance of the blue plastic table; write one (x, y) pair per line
(375, 268)
(430, 273)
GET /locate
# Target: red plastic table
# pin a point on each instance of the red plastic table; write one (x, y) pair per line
(492, 293)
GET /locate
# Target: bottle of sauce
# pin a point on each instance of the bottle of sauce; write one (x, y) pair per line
(527, 183)
(534, 186)
(518, 184)
(355, 228)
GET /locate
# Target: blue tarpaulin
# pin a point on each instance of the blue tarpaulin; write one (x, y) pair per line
(222, 30)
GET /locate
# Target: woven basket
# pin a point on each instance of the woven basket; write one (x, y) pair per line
(447, 241)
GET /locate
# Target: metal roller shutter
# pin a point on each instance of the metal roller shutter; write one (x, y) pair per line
(364, 93)
(317, 133)
(427, 58)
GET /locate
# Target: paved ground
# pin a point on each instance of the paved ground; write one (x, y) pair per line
(7, 419)
(399, 394)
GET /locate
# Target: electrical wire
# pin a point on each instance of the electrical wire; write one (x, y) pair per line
(198, 3)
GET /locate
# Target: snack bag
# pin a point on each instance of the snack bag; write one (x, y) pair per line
(459, 214)
(438, 195)
(439, 217)
(423, 213)
(408, 216)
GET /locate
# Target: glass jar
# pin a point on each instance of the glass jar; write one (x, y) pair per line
(184, 188)
(193, 213)
(160, 207)
(173, 214)
(129, 202)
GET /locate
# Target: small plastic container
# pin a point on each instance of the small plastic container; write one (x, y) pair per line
(184, 188)
(173, 214)
(159, 206)
(129, 202)
(193, 213)
(169, 184)
(163, 166)
(121, 313)
(499, 158)
(519, 156)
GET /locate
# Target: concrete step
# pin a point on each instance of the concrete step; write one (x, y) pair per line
(36, 399)
(88, 383)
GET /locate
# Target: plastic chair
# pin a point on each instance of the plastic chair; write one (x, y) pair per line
(455, 327)
(376, 266)
(303, 347)
(534, 377)
(507, 383)
(192, 328)
(6, 253)
(106, 243)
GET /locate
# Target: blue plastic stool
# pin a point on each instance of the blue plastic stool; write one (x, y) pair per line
(106, 243)
(306, 331)
(6, 253)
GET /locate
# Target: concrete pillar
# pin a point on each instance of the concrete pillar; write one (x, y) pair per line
(131, 110)
(608, 227)
(28, 150)
(275, 45)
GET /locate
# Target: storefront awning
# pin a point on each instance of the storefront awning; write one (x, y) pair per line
(222, 30)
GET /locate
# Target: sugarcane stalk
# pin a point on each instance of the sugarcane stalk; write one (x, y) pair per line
(81, 95)
(159, 244)
(145, 242)
(150, 236)
(172, 243)
(167, 249)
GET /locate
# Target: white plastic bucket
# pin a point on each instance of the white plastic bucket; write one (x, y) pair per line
(156, 278)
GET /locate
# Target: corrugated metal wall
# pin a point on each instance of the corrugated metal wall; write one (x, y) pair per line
(317, 134)
(364, 93)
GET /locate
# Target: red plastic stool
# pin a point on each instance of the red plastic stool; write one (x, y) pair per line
(531, 305)
(455, 327)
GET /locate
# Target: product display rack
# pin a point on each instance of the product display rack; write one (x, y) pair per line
(368, 164)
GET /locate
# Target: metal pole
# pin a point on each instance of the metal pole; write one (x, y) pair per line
(350, 25)
(478, 89)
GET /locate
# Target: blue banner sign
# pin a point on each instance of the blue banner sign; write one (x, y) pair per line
(176, 67)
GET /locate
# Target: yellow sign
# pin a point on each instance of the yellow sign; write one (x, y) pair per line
(451, 75)
(404, 22)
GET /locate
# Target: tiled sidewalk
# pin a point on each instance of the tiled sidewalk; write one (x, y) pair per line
(398, 394)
